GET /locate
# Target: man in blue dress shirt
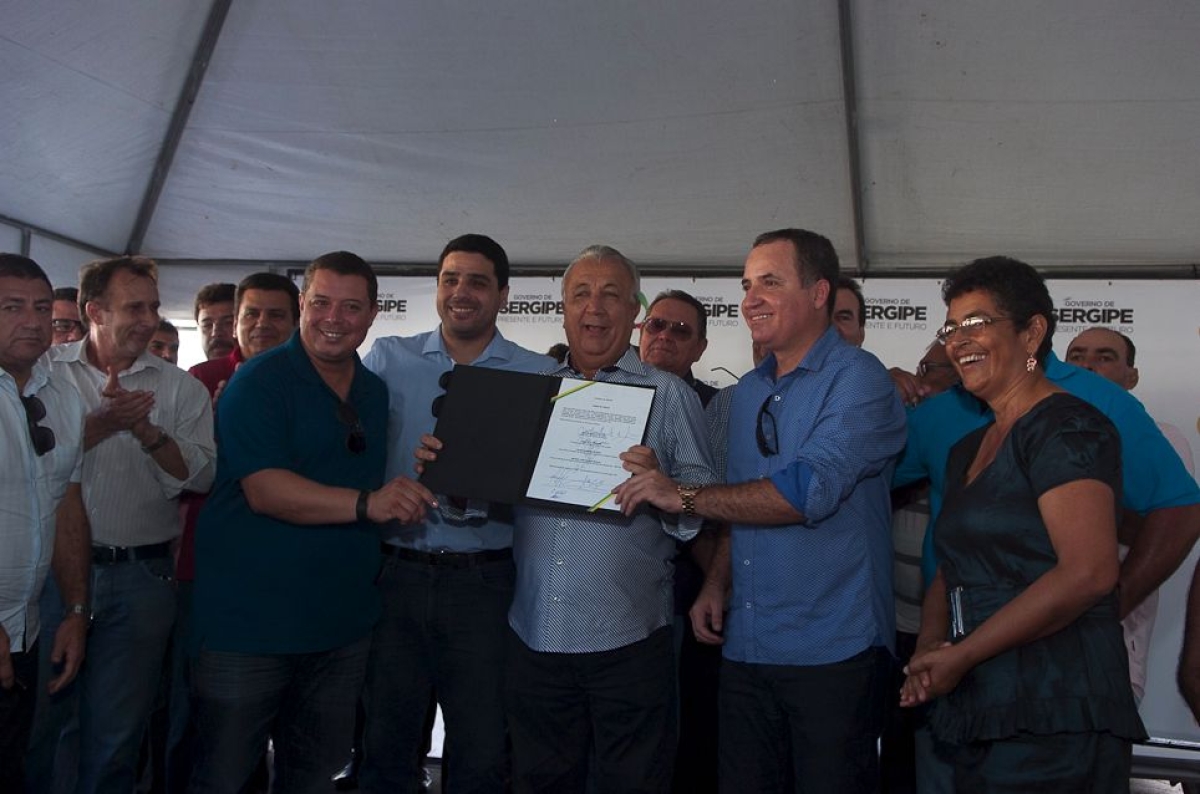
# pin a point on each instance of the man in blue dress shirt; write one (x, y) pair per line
(813, 434)
(447, 581)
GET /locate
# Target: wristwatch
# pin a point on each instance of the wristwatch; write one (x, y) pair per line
(687, 495)
(78, 609)
(158, 443)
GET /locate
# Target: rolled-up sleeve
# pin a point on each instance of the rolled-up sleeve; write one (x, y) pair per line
(190, 425)
(860, 432)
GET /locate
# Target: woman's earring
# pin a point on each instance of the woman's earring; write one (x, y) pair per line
(1030, 363)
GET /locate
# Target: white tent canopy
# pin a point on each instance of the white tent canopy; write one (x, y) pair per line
(929, 133)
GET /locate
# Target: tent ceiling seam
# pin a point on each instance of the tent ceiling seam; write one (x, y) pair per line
(179, 118)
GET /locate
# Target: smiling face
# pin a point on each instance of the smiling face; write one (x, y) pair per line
(264, 320)
(599, 310)
(1104, 352)
(785, 316)
(26, 309)
(335, 314)
(670, 337)
(468, 296)
(990, 357)
(125, 317)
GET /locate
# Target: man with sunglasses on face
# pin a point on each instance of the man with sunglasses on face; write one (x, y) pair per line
(813, 434)
(673, 337)
(287, 546)
(448, 580)
(42, 521)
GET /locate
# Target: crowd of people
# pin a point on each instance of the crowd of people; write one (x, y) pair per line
(195, 565)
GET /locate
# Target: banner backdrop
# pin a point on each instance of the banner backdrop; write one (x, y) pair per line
(1160, 316)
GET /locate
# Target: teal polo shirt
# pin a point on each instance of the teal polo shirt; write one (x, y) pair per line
(266, 586)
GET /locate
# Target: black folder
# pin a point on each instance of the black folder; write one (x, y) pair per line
(492, 423)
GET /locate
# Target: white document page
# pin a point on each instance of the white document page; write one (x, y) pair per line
(592, 422)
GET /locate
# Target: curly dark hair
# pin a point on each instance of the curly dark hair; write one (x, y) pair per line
(1019, 291)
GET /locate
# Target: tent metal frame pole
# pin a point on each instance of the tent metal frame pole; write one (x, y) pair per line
(179, 119)
(29, 229)
(850, 108)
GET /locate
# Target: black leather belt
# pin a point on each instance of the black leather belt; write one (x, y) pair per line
(448, 559)
(107, 555)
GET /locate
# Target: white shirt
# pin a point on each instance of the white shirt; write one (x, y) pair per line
(130, 500)
(31, 486)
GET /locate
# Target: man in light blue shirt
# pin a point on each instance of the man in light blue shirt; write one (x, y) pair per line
(41, 457)
(591, 667)
(813, 434)
(447, 581)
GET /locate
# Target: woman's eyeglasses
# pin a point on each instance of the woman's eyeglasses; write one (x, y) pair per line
(971, 327)
(42, 437)
(356, 441)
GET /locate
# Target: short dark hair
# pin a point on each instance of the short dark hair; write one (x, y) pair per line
(95, 276)
(343, 263)
(269, 282)
(845, 282)
(690, 300)
(17, 266)
(816, 258)
(209, 294)
(166, 325)
(1019, 291)
(67, 294)
(483, 245)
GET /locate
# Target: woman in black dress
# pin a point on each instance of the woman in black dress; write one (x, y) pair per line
(1019, 631)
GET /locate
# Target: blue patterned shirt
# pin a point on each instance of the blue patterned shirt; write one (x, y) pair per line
(597, 581)
(411, 367)
(821, 591)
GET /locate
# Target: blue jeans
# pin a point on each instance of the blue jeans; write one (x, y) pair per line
(443, 630)
(305, 702)
(86, 737)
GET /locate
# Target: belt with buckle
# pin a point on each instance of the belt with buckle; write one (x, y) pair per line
(447, 559)
(108, 555)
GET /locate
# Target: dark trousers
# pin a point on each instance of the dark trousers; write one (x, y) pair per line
(696, 759)
(619, 702)
(443, 630)
(897, 756)
(16, 718)
(305, 702)
(811, 728)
